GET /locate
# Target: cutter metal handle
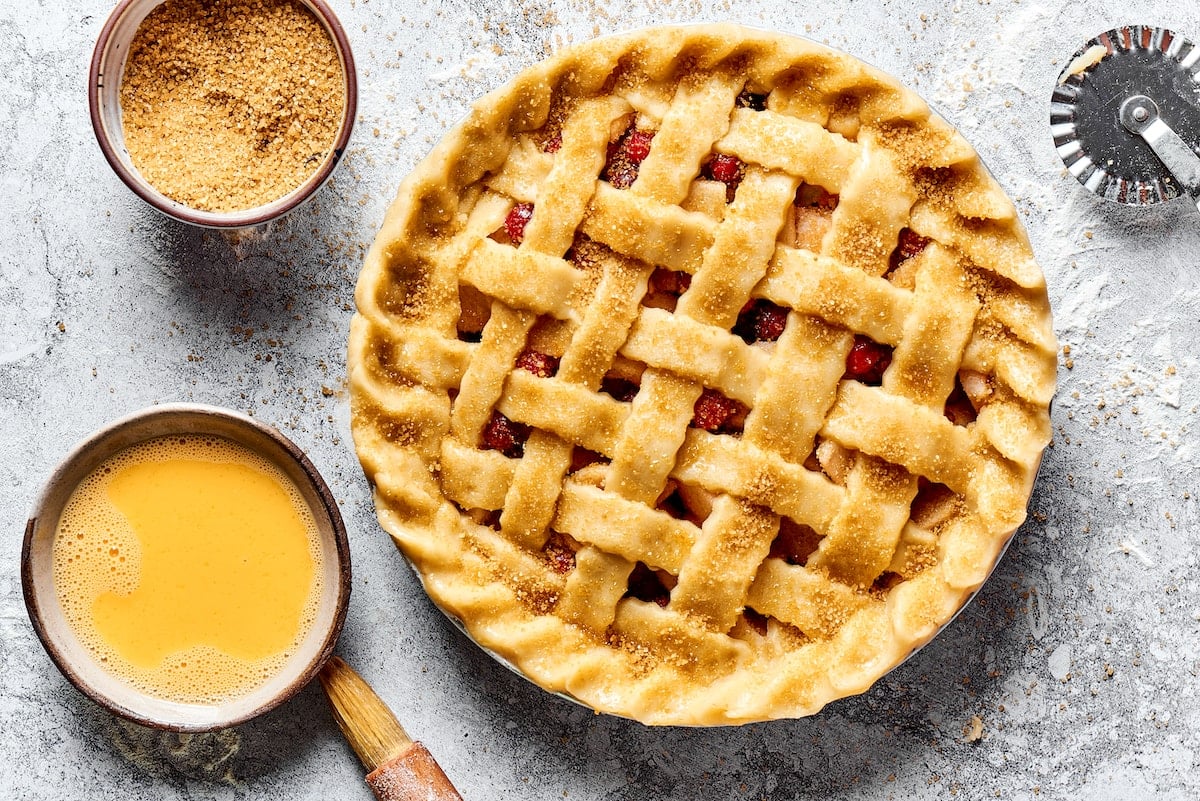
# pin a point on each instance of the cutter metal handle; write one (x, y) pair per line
(1139, 115)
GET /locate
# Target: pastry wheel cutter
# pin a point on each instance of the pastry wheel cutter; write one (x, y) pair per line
(1125, 116)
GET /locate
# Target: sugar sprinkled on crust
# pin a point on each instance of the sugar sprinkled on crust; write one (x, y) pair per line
(662, 615)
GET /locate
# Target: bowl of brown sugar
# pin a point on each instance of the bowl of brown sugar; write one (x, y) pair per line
(223, 113)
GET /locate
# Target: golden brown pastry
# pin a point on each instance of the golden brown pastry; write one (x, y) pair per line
(702, 373)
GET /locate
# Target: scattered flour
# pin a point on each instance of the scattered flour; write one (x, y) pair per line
(1132, 548)
(1060, 662)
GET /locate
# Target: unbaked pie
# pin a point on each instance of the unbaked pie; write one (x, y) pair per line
(702, 374)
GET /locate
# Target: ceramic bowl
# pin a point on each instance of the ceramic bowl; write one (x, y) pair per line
(104, 88)
(79, 665)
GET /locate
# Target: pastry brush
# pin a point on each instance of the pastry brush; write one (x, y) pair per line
(398, 768)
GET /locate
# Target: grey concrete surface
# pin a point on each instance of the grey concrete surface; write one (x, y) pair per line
(1079, 658)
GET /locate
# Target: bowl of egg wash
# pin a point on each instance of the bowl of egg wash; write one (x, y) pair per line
(223, 113)
(187, 568)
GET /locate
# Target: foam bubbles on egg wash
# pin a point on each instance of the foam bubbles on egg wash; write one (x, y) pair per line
(190, 567)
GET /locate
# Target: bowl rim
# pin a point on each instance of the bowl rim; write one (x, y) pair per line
(242, 218)
(330, 510)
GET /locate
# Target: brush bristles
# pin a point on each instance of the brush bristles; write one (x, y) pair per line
(369, 726)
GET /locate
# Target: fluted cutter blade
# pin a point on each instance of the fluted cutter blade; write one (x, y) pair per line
(1084, 110)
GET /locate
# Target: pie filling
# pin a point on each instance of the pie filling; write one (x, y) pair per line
(702, 373)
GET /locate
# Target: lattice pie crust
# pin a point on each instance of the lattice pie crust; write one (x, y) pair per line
(702, 373)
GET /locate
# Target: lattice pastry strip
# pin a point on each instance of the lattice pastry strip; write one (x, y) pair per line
(677, 638)
(645, 229)
(863, 536)
(605, 328)
(594, 590)
(799, 388)
(988, 244)
(903, 433)
(715, 579)
(873, 207)
(663, 409)
(423, 357)
(705, 354)
(564, 195)
(839, 295)
(926, 362)
(915, 552)
(702, 373)
(482, 384)
(474, 479)
(804, 598)
(625, 528)
(723, 465)
(1006, 426)
(592, 420)
(526, 280)
(521, 177)
(657, 423)
(741, 249)
(697, 117)
(788, 145)
(529, 503)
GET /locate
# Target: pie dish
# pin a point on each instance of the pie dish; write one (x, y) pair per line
(702, 373)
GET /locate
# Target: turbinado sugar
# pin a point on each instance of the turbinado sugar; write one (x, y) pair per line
(230, 104)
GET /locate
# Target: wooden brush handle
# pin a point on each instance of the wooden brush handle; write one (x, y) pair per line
(412, 775)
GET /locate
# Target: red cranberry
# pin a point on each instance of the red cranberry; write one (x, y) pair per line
(540, 364)
(713, 411)
(867, 361)
(619, 388)
(761, 321)
(770, 322)
(729, 170)
(669, 281)
(517, 219)
(504, 435)
(911, 244)
(726, 169)
(614, 151)
(624, 156)
(637, 145)
(582, 457)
